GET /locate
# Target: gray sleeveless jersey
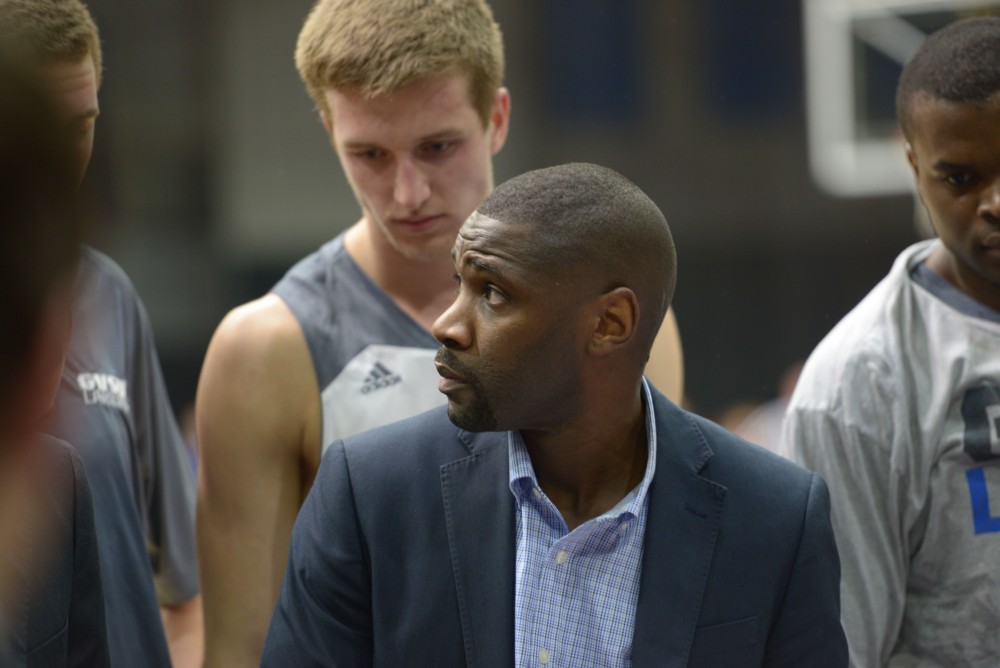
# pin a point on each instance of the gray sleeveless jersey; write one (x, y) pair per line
(374, 363)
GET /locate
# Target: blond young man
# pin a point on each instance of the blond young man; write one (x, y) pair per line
(112, 403)
(410, 94)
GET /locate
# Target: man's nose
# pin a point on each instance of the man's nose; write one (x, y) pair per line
(989, 201)
(452, 328)
(412, 186)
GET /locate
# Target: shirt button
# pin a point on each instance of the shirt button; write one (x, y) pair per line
(537, 492)
(561, 558)
(624, 527)
(543, 656)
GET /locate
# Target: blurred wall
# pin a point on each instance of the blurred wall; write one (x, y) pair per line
(215, 174)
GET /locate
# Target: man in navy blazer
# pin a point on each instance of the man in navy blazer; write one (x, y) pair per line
(560, 512)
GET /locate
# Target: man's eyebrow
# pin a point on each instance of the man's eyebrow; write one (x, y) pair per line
(357, 144)
(946, 166)
(441, 135)
(438, 135)
(484, 266)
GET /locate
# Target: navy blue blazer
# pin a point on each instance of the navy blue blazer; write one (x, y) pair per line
(403, 554)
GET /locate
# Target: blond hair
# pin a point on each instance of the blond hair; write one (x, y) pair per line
(59, 30)
(378, 46)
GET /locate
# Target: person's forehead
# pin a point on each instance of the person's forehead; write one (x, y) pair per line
(511, 243)
(421, 108)
(486, 234)
(73, 84)
(943, 124)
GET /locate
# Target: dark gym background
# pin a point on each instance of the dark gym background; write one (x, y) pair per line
(213, 174)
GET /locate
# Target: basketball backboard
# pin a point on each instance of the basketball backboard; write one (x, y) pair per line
(855, 50)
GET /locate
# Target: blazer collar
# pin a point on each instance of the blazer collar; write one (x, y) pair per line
(685, 512)
(479, 514)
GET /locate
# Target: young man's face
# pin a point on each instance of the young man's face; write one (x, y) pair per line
(955, 155)
(514, 338)
(73, 88)
(418, 159)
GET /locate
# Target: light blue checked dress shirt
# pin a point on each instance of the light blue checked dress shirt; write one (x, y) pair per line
(575, 592)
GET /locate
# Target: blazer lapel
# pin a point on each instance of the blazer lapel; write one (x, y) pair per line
(684, 515)
(479, 513)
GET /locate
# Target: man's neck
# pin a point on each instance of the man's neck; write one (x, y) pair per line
(421, 289)
(946, 265)
(587, 469)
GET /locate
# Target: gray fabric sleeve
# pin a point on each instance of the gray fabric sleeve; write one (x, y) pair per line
(170, 488)
(868, 496)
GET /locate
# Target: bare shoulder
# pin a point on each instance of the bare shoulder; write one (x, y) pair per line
(258, 372)
(260, 332)
(665, 368)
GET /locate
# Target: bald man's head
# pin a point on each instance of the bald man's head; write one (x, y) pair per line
(591, 224)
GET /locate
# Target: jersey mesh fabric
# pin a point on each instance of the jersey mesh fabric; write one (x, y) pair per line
(374, 364)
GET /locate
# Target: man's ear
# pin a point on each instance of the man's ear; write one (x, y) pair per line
(616, 320)
(911, 157)
(324, 118)
(499, 119)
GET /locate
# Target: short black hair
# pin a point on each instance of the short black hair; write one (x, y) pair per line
(959, 63)
(40, 223)
(593, 223)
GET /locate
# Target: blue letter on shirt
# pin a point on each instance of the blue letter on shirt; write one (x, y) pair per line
(981, 518)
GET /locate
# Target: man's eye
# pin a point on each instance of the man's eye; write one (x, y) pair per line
(369, 154)
(493, 296)
(959, 179)
(437, 148)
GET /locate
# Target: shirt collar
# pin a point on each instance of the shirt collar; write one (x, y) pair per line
(522, 474)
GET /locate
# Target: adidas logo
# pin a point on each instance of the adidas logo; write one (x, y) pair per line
(379, 377)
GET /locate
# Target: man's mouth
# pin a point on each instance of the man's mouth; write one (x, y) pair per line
(447, 365)
(452, 375)
(417, 223)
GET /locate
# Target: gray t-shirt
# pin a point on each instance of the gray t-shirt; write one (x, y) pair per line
(113, 407)
(898, 408)
(374, 363)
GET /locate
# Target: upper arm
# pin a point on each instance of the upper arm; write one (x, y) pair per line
(665, 368)
(324, 614)
(807, 630)
(256, 410)
(854, 455)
